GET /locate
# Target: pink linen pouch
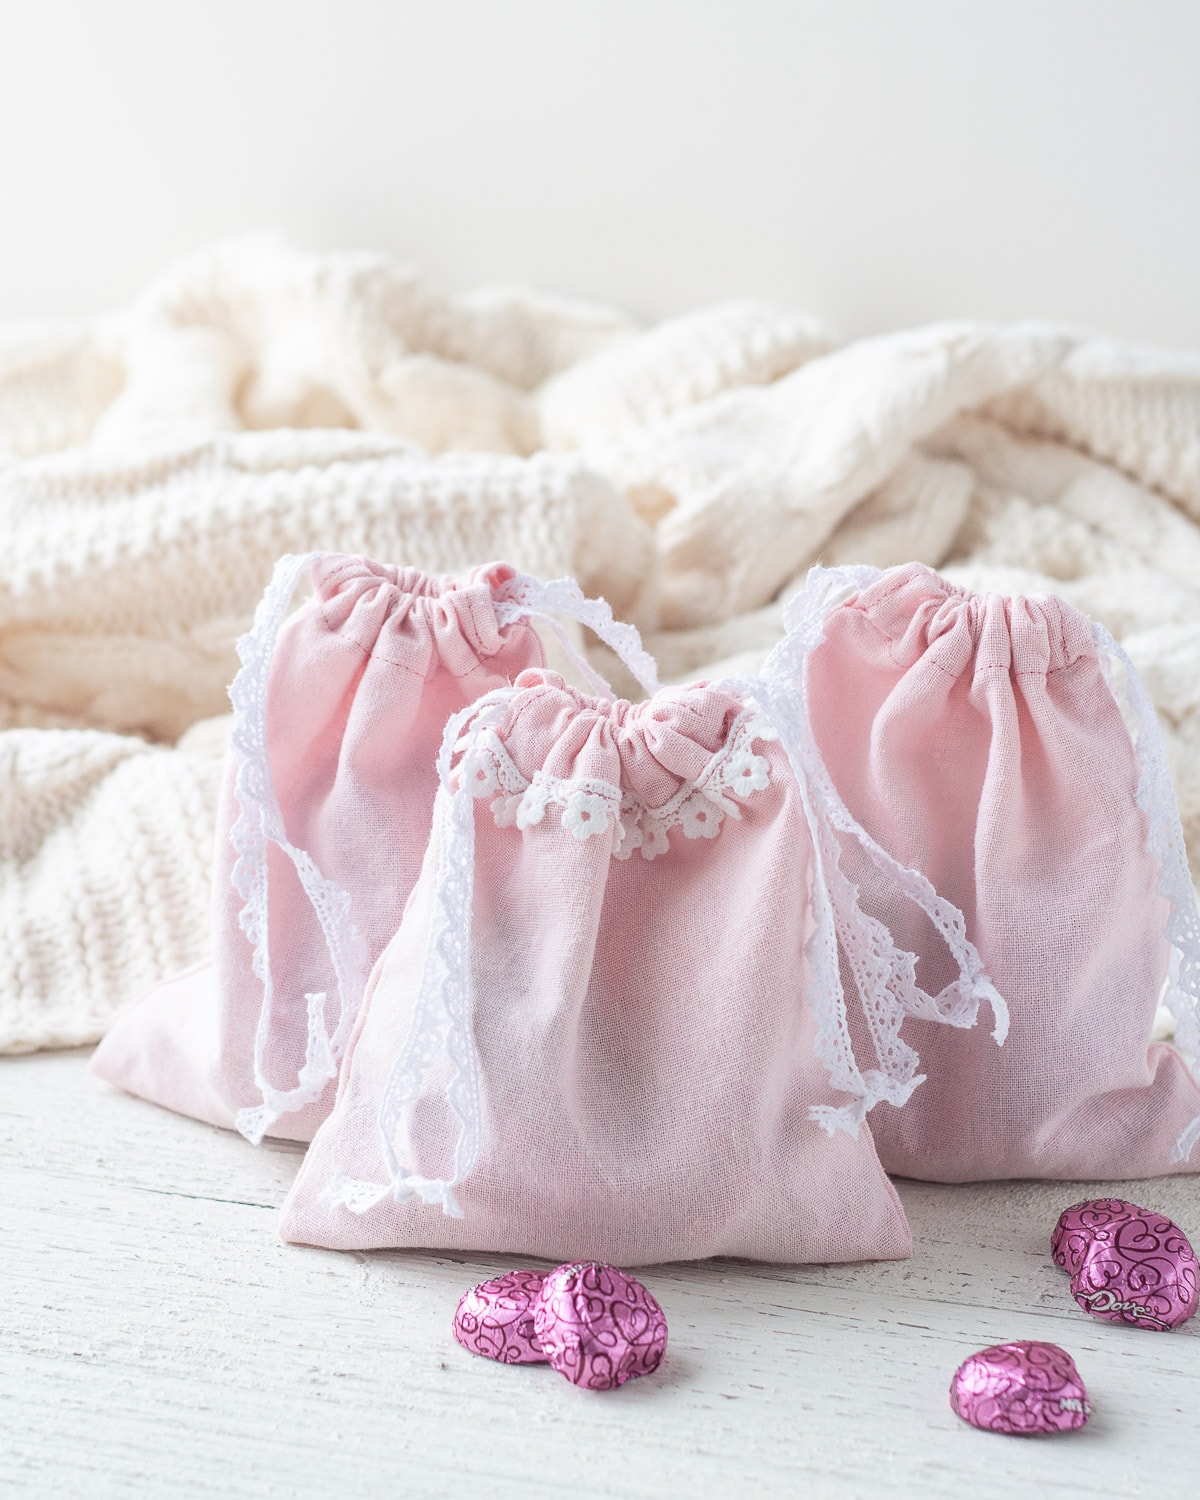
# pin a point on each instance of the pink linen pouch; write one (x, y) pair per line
(325, 815)
(613, 1008)
(979, 739)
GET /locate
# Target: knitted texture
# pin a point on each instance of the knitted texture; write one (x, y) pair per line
(155, 463)
(107, 845)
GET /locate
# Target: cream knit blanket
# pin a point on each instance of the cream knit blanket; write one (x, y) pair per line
(257, 400)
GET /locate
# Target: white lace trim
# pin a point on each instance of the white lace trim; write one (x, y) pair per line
(259, 824)
(1164, 840)
(884, 975)
(443, 1022)
(523, 596)
(589, 807)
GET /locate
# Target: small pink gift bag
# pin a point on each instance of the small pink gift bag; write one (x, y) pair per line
(614, 1010)
(324, 820)
(978, 739)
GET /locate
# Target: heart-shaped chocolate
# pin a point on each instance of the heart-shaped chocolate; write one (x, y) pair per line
(1140, 1270)
(1022, 1389)
(495, 1319)
(598, 1326)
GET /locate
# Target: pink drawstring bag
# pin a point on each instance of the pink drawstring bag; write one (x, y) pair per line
(978, 739)
(614, 1008)
(338, 717)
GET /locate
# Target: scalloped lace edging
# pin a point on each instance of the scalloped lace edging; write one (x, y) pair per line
(259, 824)
(443, 1018)
(884, 975)
(524, 596)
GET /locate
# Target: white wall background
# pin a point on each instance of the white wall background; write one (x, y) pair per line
(880, 162)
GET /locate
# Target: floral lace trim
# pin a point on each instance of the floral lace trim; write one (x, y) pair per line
(590, 807)
(1164, 840)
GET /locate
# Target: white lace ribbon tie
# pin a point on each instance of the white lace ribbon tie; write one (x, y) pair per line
(884, 975)
(258, 825)
(523, 596)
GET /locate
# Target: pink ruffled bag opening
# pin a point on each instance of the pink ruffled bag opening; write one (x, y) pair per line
(325, 816)
(978, 739)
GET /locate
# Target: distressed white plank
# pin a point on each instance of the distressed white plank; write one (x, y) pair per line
(156, 1339)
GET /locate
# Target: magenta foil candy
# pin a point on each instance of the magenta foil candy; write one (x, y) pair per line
(1142, 1271)
(1022, 1389)
(495, 1319)
(598, 1326)
(1127, 1264)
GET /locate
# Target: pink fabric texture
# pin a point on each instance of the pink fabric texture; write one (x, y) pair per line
(977, 739)
(591, 1036)
(355, 693)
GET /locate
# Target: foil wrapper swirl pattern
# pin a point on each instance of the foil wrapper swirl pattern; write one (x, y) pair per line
(1082, 1224)
(495, 1319)
(1140, 1270)
(1022, 1389)
(598, 1326)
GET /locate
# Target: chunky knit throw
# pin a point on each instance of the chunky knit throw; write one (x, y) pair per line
(154, 464)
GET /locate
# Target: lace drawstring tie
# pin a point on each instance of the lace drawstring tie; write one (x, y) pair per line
(443, 1021)
(525, 597)
(258, 825)
(884, 975)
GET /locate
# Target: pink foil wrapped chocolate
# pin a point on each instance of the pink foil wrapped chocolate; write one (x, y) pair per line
(1023, 1389)
(598, 1326)
(495, 1319)
(1139, 1270)
(1079, 1226)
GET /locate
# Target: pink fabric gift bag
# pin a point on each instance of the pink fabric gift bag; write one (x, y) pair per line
(324, 821)
(613, 1009)
(978, 739)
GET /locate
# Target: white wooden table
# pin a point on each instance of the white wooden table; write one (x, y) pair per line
(156, 1339)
